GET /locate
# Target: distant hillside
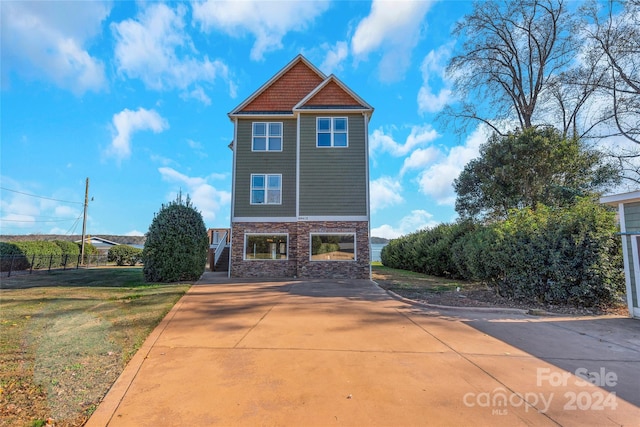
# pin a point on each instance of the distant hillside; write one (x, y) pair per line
(123, 240)
(379, 240)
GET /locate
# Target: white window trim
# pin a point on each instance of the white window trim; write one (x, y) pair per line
(328, 233)
(266, 189)
(266, 150)
(332, 132)
(244, 247)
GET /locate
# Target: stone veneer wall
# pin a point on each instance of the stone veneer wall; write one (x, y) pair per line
(259, 268)
(298, 264)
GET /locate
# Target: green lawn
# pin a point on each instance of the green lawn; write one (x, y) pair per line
(66, 336)
(394, 279)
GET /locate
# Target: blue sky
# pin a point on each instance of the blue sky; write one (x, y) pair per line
(135, 96)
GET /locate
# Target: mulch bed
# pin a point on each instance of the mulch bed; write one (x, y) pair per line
(482, 296)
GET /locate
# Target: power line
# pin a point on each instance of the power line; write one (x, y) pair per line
(39, 197)
(33, 220)
(37, 216)
(72, 229)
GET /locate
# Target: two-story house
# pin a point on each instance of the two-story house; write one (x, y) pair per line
(300, 192)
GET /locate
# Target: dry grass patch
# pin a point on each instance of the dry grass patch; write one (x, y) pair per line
(66, 336)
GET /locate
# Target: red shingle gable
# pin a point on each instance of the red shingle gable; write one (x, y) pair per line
(287, 91)
(332, 95)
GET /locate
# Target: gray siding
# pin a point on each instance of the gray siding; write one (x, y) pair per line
(632, 223)
(632, 216)
(248, 162)
(333, 181)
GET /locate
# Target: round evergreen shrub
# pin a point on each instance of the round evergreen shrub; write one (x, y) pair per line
(177, 244)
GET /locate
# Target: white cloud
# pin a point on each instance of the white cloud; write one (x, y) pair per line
(156, 49)
(23, 214)
(419, 159)
(429, 102)
(194, 144)
(385, 192)
(434, 68)
(49, 40)
(134, 233)
(394, 27)
(381, 142)
(417, 220)
(198, 94)
(336, 54)
(437, 180)
(126, 123)
(197, 148)
(266, 21)
(206, 198)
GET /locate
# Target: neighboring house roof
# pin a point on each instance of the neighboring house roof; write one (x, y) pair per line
(98, 242)
(300, 86)
(614, 199)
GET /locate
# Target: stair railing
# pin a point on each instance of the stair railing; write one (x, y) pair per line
(219, 248)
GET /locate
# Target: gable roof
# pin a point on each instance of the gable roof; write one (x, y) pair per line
(332, 93)
(284, 90)
(300, 86)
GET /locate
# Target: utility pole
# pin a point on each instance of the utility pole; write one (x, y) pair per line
(84, 221)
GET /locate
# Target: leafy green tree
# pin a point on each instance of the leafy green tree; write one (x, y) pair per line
(527, 168)
(177, 244)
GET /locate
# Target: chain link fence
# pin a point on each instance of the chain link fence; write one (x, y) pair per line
(13, 264)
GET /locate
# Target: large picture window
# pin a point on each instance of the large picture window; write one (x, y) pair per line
(266, 189)
(331, 132)
(267, 136)
(266, 246)
(333, 247)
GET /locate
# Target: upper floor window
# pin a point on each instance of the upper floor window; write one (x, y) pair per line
(266, 189)
(331, 132)
(267, 136)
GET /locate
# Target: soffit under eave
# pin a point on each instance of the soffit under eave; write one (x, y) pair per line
(615, 199)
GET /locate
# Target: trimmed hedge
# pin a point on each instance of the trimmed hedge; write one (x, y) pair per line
(556, 256)
(124, 255)
(427, 251)
(40, 254)
(68, 248)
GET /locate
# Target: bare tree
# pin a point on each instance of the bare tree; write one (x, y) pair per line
(512, 56)
(615, 33)
(568, 101)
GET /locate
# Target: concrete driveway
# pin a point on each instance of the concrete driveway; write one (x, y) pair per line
(345, 353)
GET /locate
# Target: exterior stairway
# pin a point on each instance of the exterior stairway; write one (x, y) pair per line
(223, 261)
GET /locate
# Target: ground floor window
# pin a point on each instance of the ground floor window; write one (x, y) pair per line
(333, 247)
(266, 246)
